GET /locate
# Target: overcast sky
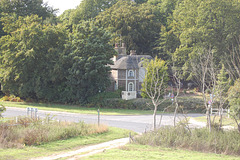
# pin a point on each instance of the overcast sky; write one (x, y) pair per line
(63, 5)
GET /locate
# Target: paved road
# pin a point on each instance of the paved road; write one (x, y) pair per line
(139, 123)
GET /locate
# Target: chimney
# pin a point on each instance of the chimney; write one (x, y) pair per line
(123, 48)
(132, 52)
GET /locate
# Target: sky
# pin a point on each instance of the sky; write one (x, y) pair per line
(63, 5)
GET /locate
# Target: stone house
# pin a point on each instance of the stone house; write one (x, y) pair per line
(127, 72)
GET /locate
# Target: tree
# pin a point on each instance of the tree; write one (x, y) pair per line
(25, 8)
(29, 55)
(154, 83)
(222, 86)
(89, 9)
(88, 53)
(204, 24)
(204, 74)
(234, 101)
(137, 25)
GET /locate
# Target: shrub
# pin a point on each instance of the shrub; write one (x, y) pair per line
(34, 132)
(226, 142)
(2, 109)
(11, 98)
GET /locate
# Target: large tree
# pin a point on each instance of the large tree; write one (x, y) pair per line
(28, 56)
(155, 82)
(25, 8)
(89, 9)
(138, 25)
(204, 25)
(87, 54)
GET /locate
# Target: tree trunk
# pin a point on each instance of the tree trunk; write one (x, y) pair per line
(175, 112)
(154, 117)
(208, 119)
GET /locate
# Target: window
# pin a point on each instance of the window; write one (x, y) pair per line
(130, 73)
(130, 86)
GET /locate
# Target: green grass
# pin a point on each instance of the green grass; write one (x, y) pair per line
(226, 121)
(74, 108)
(145, 152)
(64, 145)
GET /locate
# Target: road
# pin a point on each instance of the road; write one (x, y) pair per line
(137, 123)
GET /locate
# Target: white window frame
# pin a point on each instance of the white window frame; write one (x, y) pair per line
(130, 86)
(131, 73)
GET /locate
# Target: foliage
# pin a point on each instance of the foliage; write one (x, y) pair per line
(2, 109)
(89, 9)
(226, 142)
(234, 99)
(156, 78)
(33, 132)
(87, 54)
(137, 25)
(222, 86)
(11, 98)
(25, 8)
(203, 25)
(29, 57)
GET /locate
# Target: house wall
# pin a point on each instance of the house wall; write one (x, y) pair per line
(119, 77)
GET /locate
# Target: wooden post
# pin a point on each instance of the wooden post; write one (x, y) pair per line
(98, 117)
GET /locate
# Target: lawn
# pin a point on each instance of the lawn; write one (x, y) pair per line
(145, 152)
(75, 108)
(226, 121)
(63, 145)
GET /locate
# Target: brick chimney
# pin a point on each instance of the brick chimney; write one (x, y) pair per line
(132, 52)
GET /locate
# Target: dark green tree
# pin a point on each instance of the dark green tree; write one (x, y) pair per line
(89, 9)
(206, 25)
(136, 25)
(87, 56)
(25, 8)
(29, 56)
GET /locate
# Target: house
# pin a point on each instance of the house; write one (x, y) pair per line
(127, 72)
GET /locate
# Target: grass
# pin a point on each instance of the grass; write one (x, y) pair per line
(226, 121)
(145, 152)
(28, 131)
(222, 142)
(75, 108)
(62, 146)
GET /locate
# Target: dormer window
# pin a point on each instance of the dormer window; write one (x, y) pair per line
(130, 73)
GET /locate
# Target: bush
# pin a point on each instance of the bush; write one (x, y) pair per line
(2, 109)
(189, 104)
(34, 132)
(226, 142)
(11, 98)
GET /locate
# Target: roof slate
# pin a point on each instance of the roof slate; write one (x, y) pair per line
(129, 62)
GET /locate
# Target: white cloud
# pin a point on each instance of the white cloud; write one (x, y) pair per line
(63, 5)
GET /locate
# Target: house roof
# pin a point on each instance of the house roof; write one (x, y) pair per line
(129, 62)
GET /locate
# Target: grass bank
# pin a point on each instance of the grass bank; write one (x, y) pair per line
(75, 108)
(145, 152)
(190, 104)
(225, 121)
(62, 145)
(221, 142)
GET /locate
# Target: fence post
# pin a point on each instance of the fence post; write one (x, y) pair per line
(98, 117)
(28, 110)
(32, 110)
(36, 110)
